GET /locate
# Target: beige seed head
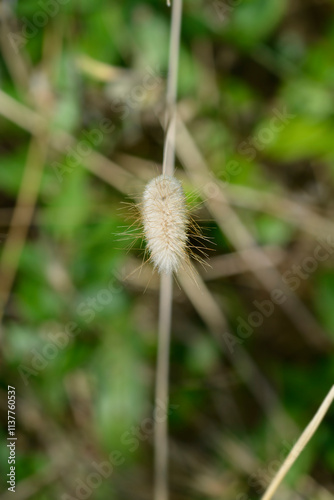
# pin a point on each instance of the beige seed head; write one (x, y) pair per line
(165, 221)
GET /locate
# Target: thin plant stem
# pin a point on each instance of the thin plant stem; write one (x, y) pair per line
(166, 283)
(299, 446)
(161, 400)
(170, 124)
(19, 227)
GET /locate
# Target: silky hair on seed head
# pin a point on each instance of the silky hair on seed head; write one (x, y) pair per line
(165, 220)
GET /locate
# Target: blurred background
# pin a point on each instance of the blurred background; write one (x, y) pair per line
(81, 103)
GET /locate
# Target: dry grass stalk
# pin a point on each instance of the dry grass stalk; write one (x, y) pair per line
(166, 285)
(299, 446)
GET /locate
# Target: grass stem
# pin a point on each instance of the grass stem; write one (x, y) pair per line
(166, 284)
(299, 446)
(170, 124)
(161, 394)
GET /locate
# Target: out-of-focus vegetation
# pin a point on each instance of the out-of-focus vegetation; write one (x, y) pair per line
(256, 90)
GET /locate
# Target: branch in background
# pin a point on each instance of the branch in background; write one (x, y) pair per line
(26, 200)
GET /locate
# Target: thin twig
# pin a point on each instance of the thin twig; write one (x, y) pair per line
(162, 376)
(174, 49)
(242, 239)
(26, 199)
(211, 313)
(16, 65)
(166, 284)
(283, 207)
(299, 446)
(61, 141)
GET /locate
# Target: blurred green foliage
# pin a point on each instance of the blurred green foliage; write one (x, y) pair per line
(240, 63)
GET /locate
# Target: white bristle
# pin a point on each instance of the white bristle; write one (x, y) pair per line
(165, 220)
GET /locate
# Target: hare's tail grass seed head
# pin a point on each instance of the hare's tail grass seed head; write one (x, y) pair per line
(165, 220)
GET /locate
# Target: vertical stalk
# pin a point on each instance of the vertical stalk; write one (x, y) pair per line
(161, 390)
(166, 283)
(170, 124)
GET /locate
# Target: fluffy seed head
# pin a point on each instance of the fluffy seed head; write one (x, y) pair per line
(165, 220)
